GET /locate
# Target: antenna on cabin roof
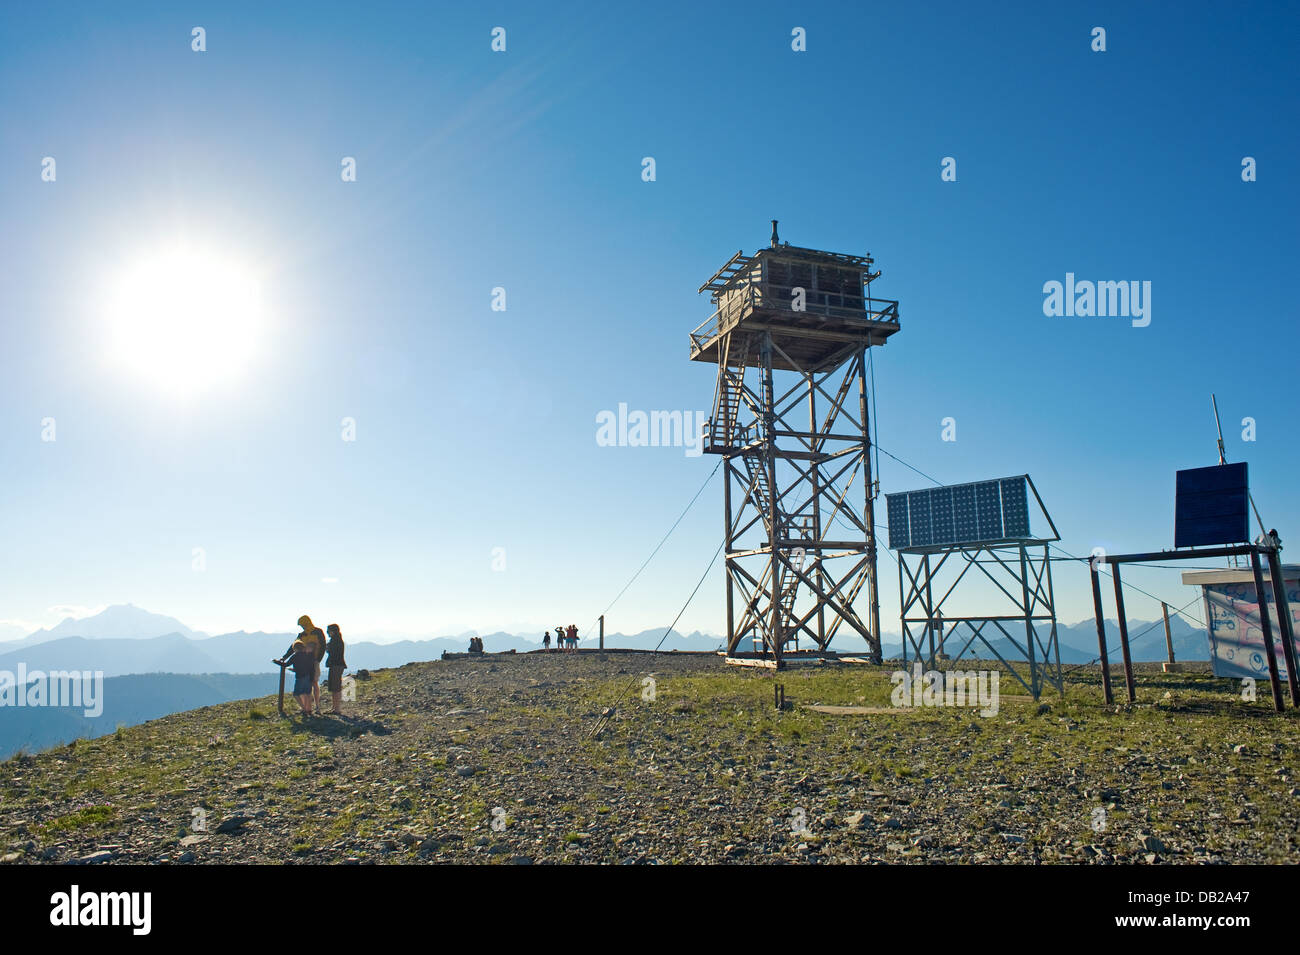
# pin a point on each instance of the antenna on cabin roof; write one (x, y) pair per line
(775, 240)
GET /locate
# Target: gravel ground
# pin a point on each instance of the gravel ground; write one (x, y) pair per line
(507, 759)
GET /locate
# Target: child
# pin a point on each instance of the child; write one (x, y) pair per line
(335, 665)
(304, 674)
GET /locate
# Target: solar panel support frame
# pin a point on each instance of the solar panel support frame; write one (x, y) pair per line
(1021, 568)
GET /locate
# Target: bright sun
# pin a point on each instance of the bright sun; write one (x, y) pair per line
(184, 320)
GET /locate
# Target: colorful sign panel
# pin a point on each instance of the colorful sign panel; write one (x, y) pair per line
(1232, 617)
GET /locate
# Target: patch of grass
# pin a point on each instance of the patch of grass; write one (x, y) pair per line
(87, 818)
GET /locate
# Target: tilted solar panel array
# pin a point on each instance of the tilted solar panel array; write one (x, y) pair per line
(1015, 507)
(966, 527)
(918, 516)
(988, 502)
(941, 514)
(959, 514)
(896, 506)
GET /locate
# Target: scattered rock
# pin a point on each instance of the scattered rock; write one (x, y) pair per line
(1152, 844)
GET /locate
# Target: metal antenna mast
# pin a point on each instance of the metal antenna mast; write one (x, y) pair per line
(1214, 402)
(1224, 460)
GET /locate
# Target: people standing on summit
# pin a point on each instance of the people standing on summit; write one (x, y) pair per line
(315, 640)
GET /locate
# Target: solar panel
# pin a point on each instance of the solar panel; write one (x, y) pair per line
(918, 518)
(1211, 506)
(941, 529)
(896, 505)
(980, 511)
(1015, 507)
(988, 508)
(965, 526)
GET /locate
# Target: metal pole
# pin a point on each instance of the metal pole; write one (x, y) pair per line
(1123, 633)
(1284, 625)
(902, 611)
(726, 557)
(1266, 626)
(1030, 632)
(815, 472)
(869, 512)
(1101, 633)
(602, 631)
(774, 530)
(1169, 640)
(1219, 428)
(1056, 641)
(929, 612)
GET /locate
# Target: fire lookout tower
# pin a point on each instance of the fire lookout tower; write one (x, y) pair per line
(795, 439)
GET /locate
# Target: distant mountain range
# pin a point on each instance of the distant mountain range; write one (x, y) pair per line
(160, 644)
(252, 652)
(126, 639)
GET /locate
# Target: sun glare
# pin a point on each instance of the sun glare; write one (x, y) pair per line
(184, 320)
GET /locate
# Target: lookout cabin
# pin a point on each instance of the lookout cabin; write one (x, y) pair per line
(815, 303)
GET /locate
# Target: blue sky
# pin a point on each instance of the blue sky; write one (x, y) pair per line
(475, 429)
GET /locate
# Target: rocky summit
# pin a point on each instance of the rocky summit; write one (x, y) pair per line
(672, 758)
